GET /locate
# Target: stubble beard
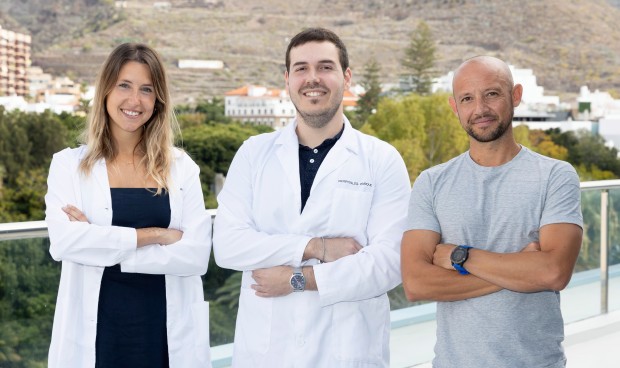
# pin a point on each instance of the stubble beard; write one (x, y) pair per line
(493, 135)
(319, 119)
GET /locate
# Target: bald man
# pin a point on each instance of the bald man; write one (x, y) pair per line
(493, 235)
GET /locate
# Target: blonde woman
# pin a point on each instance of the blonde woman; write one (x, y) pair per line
(126, 217)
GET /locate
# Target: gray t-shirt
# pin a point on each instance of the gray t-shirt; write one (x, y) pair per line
(499, 209)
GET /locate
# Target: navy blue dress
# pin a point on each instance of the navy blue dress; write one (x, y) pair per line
(131, 318)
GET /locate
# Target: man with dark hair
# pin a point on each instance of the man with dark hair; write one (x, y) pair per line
(313, 215)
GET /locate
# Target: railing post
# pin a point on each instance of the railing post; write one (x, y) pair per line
(604, 251)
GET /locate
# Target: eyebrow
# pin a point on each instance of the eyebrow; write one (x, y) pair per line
(131, 82)
(325, 61)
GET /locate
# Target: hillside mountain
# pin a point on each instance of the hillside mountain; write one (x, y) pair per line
(566, 43)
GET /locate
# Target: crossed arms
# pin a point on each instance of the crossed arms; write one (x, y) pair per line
(548, 265)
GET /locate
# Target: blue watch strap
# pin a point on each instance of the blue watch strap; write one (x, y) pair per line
(460, 268)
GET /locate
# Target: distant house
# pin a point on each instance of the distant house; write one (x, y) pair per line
(200, 64)
(349, 100)
(596, 104)
(259, 106)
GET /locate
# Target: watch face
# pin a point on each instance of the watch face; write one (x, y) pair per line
(298, 282)
(459, 255)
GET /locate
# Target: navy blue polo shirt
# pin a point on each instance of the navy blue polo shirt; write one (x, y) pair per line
(310, 160)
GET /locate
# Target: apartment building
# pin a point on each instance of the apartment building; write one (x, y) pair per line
(14, 62)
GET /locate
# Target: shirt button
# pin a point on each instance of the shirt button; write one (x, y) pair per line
(311, 160)
(300, 341)
(315, 150)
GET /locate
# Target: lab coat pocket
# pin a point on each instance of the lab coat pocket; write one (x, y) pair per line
(361, 332)
(349, 212)
(253, 330)
(200, 319)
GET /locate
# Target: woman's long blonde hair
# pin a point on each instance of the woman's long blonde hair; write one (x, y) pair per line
(157, 140)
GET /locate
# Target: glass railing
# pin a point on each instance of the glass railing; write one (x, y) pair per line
(29, 282)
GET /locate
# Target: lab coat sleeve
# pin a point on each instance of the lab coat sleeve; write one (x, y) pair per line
(79, 242)
(375, 269)
(190, 255)
(237, 244)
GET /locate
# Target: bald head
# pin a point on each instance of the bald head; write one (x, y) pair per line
(487, 64)
(484, 97)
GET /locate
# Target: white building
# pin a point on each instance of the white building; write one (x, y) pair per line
(534, 103)
(564, 126)
(259, 106)
(200, 64)
(11, 103)
(609, 128)
(46, 92)
(596, 105)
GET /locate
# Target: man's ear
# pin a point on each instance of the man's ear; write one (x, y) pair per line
(452, 102)
(348, 74)
(517, 93)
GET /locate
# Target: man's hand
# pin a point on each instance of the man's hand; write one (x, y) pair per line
(272, 282)
(331, 249)
(532, 247)
(441, 257)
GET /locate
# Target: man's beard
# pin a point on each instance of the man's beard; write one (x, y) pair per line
(319, 119)
(494, 135)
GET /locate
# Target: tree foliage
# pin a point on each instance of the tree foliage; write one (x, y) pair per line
(422, 128)
(213, 148)
(205, 112)
(589, 153)
(28, 284)
(367, 103)
(419, 60)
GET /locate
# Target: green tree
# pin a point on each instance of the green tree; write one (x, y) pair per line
(14, 146)
(588, 150)
(522, 135)
(419, 60)
(47, 135)
(214, 111)
(367, 103)
(210, 111)
(213, 148)
(543, 144)
(224, 305)
(422, 128)
(28, 284)
(24, 201)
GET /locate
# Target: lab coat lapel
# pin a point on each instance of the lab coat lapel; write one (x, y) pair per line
(287, 150)
(99, 192)
(338, 155)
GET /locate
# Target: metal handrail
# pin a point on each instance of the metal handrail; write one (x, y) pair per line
(23, 230)
(38, 229)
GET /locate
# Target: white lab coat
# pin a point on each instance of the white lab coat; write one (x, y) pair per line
(85, 249)
(361, 190)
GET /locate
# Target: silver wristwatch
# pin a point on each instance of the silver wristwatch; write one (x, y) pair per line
(298, 281)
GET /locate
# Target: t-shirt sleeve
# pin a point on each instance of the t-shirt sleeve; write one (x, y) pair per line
(563, 201)
(421, 214)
